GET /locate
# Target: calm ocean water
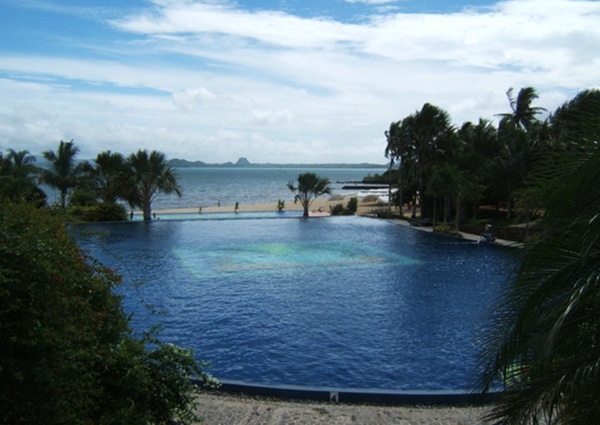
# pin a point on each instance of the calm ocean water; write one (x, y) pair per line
(208, 186)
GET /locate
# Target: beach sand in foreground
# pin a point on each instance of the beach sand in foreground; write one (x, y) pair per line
(223, 409)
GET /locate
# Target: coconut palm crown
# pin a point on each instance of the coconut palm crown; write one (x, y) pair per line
(310, 186)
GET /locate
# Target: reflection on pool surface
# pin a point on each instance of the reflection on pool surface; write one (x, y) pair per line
(337, 302)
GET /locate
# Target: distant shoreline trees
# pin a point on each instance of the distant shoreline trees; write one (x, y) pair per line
(90, 191)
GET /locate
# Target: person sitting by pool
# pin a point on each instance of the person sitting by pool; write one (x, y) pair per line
(487, 235)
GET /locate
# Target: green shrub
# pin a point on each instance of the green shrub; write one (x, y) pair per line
(447, 230)
(67, 354)
(352, 205)
(337, 209)
(103, 211)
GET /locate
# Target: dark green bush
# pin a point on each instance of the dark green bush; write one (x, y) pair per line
(67, 354)
(103, 211)
(337, 209)
(352, 205)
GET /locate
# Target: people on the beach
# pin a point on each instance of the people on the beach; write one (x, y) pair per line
(131, 215)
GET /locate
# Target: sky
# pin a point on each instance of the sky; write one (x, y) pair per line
(276, 81)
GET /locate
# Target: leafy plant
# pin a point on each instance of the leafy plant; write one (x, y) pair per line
(67, 353)
(352, 206)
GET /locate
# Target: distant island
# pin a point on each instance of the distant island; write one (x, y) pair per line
(244, 163)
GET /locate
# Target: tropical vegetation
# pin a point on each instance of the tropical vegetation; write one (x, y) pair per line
(310, 186)
(148, 175)
(67, 353)
(541, 348)
(90, 191)
(542, 345)
(450, 172)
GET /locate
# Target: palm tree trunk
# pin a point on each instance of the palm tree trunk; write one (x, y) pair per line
(147, 212)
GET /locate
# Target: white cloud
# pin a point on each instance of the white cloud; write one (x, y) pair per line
(191, 99)
(272, 117)
(212, 81)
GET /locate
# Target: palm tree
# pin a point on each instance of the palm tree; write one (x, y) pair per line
(63, 171)
(108, 175)
(149, 175)
(310, 186)
(18, 177)
(523, 115)
(518, 132)
(543, 343)
(431, 135)
(394, 150)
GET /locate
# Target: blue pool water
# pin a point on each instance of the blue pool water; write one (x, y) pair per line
(230, 215)
(337, 302)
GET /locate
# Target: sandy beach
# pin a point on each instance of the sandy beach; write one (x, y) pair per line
(223, 409)
(321, 204)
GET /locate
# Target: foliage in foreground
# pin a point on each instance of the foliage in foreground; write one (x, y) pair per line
(67, 354)
(543, 344)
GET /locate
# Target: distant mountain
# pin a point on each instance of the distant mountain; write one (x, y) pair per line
(182, 163)
(244, 163)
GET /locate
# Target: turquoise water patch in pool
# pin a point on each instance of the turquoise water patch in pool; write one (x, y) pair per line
(277, 257)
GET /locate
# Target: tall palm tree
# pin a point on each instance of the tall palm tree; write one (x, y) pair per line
(149, 175)
(518, 132)
(63, 171)
(543, 342)
(523, 114)
(108, 175)
(310, 186)
(431, 134)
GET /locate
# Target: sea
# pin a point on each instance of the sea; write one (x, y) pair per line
(211, 186)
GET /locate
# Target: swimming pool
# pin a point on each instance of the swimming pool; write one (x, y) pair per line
(346, 302)
(227, 215)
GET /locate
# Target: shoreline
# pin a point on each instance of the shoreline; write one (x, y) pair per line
(318, 204)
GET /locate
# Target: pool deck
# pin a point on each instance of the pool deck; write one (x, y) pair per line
(466, 236)
(224, 409)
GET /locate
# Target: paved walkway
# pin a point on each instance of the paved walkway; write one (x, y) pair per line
(222, 409)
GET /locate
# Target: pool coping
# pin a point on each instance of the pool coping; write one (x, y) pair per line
(359, 395)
